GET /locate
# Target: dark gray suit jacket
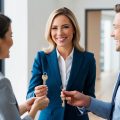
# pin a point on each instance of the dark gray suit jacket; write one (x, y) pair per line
(8, 104)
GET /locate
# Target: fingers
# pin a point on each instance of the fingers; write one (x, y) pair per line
(69, 93)
(39, 98)
(41, 102)
(40, 87)
(41, 90)
(30, 101)
(66, 95)
(42, 99)
(68, 98)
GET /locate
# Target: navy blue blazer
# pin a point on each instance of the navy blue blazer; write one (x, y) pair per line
(82, 78)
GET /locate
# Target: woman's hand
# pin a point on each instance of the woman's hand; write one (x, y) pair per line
(39, 104)
(26, 106)
(29, 103)
(41, 90)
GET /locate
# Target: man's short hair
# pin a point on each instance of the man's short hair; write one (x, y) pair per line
(117, 8)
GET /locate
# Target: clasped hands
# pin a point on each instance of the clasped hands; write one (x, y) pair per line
(39, 102)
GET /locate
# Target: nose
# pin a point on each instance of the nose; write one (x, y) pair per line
(112, 34)
(59, 31)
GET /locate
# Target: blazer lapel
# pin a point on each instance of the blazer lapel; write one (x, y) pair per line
(77, 62)
(116, 88)
(55, 68)
(113, 97)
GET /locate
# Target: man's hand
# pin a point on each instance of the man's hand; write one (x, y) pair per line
(76, 98)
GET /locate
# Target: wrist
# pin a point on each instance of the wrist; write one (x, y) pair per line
(26, 107)
(87, 101)
(32, 113)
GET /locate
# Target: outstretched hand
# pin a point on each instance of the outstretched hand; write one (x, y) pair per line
(41, 102)
(38, 104)
(29, 103)
(76, 98)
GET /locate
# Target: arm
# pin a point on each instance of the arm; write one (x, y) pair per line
(26, 106)
(36, 79)
(89, 88)
(9, 106)
(39, 104)
(8, 103)
(98, 107)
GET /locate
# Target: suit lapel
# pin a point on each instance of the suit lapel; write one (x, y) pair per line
(116, 88)
(55, 68)
(77, 62)
(113, 97)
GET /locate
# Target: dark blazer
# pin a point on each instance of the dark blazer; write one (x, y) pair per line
(82, 78)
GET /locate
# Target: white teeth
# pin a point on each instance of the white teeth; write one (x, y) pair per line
(60, 39)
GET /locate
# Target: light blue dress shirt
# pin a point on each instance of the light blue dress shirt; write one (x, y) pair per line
(116, 111)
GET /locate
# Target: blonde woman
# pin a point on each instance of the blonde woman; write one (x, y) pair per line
(66, 64)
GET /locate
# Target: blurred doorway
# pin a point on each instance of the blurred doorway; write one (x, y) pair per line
(98, 40)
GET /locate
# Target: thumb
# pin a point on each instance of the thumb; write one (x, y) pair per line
(69, 93)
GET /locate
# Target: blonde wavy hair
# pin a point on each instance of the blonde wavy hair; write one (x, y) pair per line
(69, 14)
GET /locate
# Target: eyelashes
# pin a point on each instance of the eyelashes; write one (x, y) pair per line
(63, 27)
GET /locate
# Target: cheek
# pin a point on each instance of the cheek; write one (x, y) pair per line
(11, 42)
(52, 35)
(118, 35)
(70, 35)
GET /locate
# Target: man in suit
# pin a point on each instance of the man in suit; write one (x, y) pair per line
(110, 111)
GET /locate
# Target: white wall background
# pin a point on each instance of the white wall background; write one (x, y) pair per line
(29, 18)
(17, 66)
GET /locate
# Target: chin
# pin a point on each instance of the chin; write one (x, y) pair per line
(7, 56)
(118, 49)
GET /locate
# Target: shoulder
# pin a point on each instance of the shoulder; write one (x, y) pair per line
(89, 55)
(42, 53)
(5, 88)
(86, 55)
(3, 80)
(38, 55)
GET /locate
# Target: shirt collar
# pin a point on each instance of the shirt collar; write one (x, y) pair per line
(70, 55)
